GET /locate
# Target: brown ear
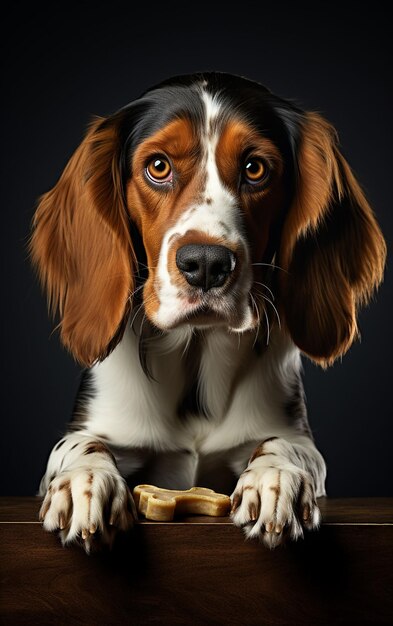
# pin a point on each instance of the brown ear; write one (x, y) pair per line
(82, 248)
(332, 248)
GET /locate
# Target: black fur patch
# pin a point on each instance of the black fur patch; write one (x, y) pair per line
(86, 392)
(190, 402)
(296, 409)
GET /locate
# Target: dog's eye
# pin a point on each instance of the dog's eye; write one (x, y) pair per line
(255, 170)
(159, 170)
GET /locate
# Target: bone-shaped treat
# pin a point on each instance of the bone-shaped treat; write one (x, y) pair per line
(160, 505)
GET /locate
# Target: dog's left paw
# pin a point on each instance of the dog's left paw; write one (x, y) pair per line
(274, 502)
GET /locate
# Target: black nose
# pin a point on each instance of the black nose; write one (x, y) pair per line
(205, 266)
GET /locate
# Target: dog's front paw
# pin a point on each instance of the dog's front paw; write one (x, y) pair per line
(272, 503)
(88, 506)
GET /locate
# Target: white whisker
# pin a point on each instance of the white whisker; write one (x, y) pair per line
(268, 326)
(275, 309)
(142, 323)
(138, 308)
(260, 295)
(266, 287)
(147, 267)
(258, 319)
(135, 291)
(272, 305)
(275, 267)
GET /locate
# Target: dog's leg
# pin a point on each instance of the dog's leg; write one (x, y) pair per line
(85, 497)
(276, 494)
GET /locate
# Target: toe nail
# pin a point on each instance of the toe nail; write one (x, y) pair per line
(253, 512)
(269, 527)
(84, 533)
(235, 503)
(278, 529)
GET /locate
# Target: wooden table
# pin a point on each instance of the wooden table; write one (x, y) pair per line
(201, 571)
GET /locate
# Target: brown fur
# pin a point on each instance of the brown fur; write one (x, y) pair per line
(82, 249)
(331, 247)
(260, 207)
(332, 250)
(154, 210)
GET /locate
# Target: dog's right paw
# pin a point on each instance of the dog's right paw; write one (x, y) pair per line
(88, 506)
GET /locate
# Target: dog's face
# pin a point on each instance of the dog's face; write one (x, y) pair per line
(200, 188)
(222, 181)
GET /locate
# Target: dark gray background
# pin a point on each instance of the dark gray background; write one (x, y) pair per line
(64, 63)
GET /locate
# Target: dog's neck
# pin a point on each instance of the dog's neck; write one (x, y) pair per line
(211, 362)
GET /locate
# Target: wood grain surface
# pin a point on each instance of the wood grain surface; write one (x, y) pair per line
(201, 571)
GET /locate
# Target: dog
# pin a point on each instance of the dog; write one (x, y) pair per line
(199, 241)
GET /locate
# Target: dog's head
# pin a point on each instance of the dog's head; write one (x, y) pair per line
(224, 192)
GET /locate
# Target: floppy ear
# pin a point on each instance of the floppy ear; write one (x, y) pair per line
(331, 247)
(82, 249)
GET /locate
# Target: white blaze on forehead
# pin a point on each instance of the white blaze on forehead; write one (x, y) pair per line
(219, 216)
(212, 109)
(216, 213)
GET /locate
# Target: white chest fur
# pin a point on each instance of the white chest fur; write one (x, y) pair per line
(244, 393)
